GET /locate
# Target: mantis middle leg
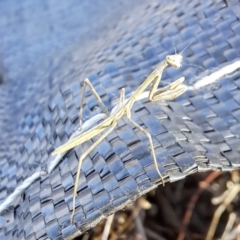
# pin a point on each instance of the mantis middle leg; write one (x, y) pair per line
(148, 135)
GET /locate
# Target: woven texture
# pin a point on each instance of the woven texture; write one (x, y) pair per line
(47, 49)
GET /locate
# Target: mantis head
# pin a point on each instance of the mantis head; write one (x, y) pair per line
(174, 60)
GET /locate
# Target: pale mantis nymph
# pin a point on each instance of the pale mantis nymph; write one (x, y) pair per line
(169, 92)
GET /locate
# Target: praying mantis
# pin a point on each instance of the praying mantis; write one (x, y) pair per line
(124, 106)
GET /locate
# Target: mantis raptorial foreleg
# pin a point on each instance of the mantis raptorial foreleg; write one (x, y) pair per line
(86, 82)
(169, 92)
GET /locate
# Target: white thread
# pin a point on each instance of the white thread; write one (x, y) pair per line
(217, 75)
(24, 185)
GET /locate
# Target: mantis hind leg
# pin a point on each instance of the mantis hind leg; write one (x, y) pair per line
(103, 107)
(100, 139)
(148, 135)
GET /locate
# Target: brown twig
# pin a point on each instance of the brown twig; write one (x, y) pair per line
(188, 214)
